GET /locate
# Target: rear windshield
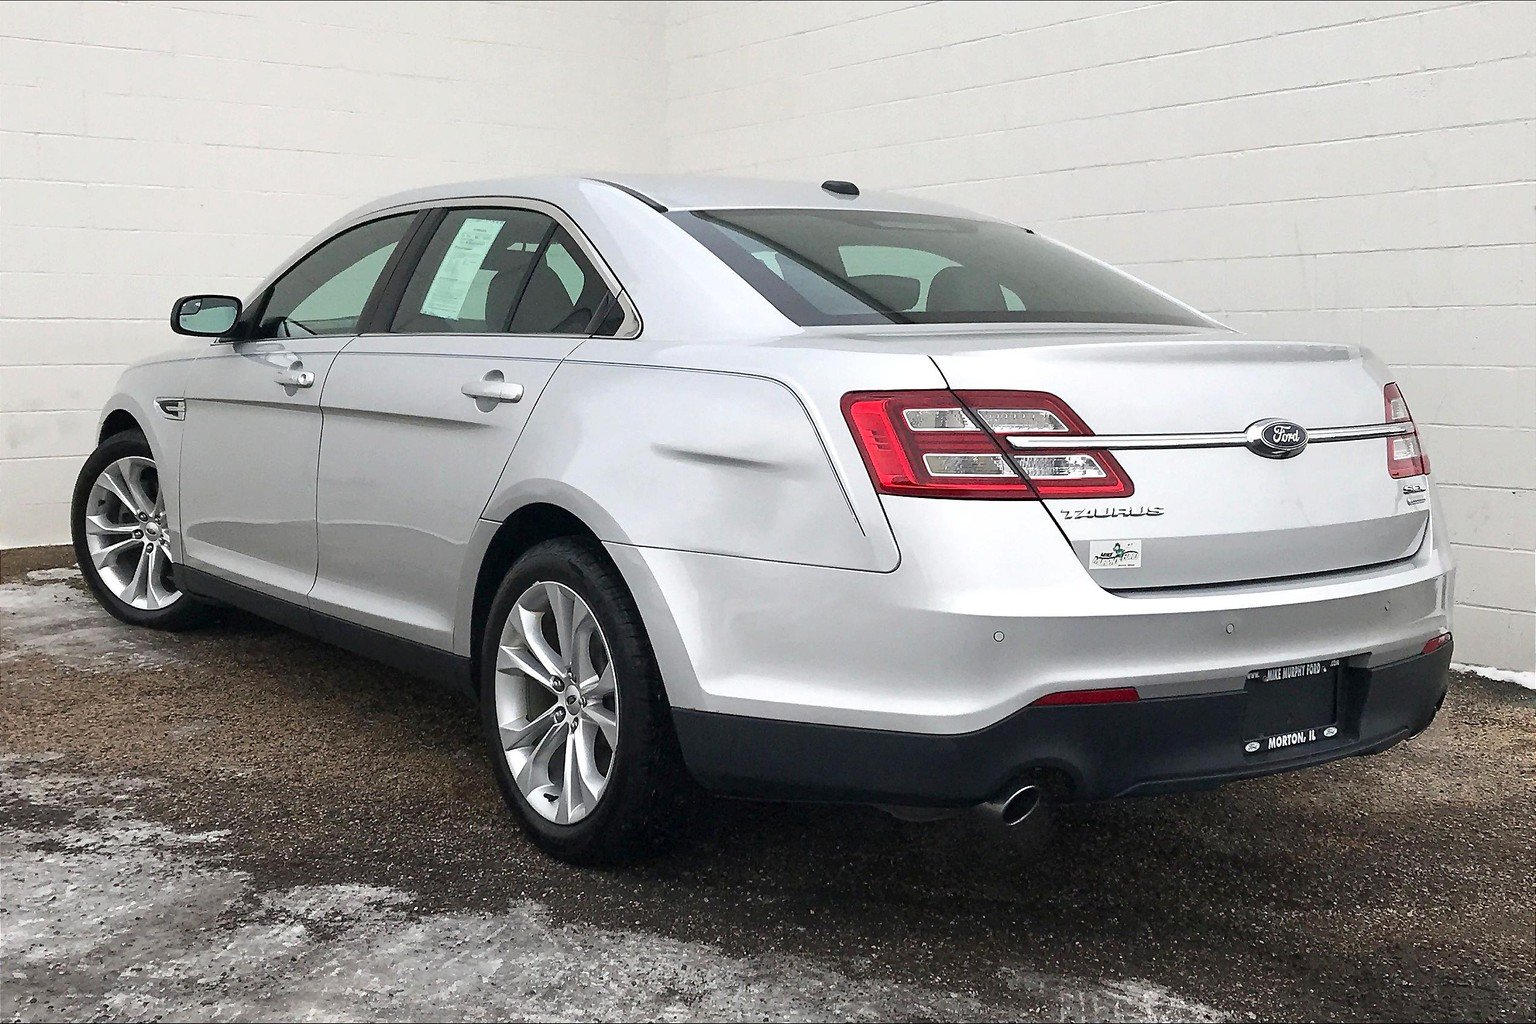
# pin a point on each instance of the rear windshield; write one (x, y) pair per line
(827, 267)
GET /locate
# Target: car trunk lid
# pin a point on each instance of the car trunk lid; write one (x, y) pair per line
(1205, 508)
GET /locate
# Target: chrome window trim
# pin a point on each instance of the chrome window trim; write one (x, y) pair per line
(1149, 442)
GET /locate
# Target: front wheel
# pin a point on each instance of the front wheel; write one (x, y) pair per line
(575, 718)
(119, 525)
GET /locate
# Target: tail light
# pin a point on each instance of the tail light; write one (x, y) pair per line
(953, 444)
(1435, 643)
(1405, 452)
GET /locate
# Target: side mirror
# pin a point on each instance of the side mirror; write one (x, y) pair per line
(205, 316)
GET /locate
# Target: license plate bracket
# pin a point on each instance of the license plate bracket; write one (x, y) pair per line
(1291, 705)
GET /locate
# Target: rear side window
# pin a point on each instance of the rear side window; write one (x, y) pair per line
(325, 292)
(565, 293)
(827, 267)
(470, 277)
(498, 271)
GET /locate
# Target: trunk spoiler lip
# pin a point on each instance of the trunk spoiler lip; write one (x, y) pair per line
(1229, 439)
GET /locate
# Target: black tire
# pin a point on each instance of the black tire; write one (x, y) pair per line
(186, 611)
(649, 793)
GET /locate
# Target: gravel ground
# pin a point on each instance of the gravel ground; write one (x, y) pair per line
(240, 823)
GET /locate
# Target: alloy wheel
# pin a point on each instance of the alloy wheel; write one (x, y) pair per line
(556, 702)
(127, 537)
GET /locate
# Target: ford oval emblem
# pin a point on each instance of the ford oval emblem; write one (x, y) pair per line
(1276, 439)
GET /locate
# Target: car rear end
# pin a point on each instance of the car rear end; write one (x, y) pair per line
(1191, 606)
(1138, 552)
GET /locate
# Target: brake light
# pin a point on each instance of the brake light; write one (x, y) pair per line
(1113, 695)
(1435, 643)
(954, 444)
(1405, 452)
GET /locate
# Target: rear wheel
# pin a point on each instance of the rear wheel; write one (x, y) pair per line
(575, 718)
(121, 537)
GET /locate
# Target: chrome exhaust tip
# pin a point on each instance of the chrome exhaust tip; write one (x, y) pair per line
(1013, 809)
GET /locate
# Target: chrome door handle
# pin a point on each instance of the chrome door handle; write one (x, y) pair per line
(295, 378)
(493, 389)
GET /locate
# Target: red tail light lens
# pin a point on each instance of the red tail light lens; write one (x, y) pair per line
(924, 443)
(1405, 452)
(1435, 643)
(954, 444)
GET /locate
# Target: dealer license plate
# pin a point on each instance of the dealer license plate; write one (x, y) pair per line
(1291, 706)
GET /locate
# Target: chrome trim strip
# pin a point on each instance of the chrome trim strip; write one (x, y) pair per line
(1358, 433)
(1147, 442)
(1129, 441)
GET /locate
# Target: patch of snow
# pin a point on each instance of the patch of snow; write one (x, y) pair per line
(52, 616)
(68, 572)
(1503, 675)
(320, 903)
(1110, 1000)
(106, 914)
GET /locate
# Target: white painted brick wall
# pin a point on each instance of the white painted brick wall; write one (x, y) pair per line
(1363, 172)
(151, 150)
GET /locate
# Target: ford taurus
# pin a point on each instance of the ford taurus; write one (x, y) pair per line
(786, 491)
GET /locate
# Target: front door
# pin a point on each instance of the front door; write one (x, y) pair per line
(251, 446)
(420, 421)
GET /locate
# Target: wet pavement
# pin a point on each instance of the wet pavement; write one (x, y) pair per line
(241, 823)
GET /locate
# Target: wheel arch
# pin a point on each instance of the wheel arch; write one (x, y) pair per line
(531, 524)
(125, 410)
(546, 518)
(117, 421)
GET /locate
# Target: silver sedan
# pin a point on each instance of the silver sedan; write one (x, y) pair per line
(785, 490)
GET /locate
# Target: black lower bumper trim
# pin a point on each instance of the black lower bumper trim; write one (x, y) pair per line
(1102, 751)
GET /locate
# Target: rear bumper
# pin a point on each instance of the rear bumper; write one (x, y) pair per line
(1101, 751)
(990, 612)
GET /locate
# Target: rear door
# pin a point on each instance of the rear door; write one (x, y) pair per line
(422, 414)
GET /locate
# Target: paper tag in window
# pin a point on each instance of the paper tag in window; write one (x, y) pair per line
(456, 274)
(1114, 554)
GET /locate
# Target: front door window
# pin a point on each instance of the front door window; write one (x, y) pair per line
(326, 292)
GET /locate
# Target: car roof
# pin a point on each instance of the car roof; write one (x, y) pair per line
(674, 192)
(689, 192)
